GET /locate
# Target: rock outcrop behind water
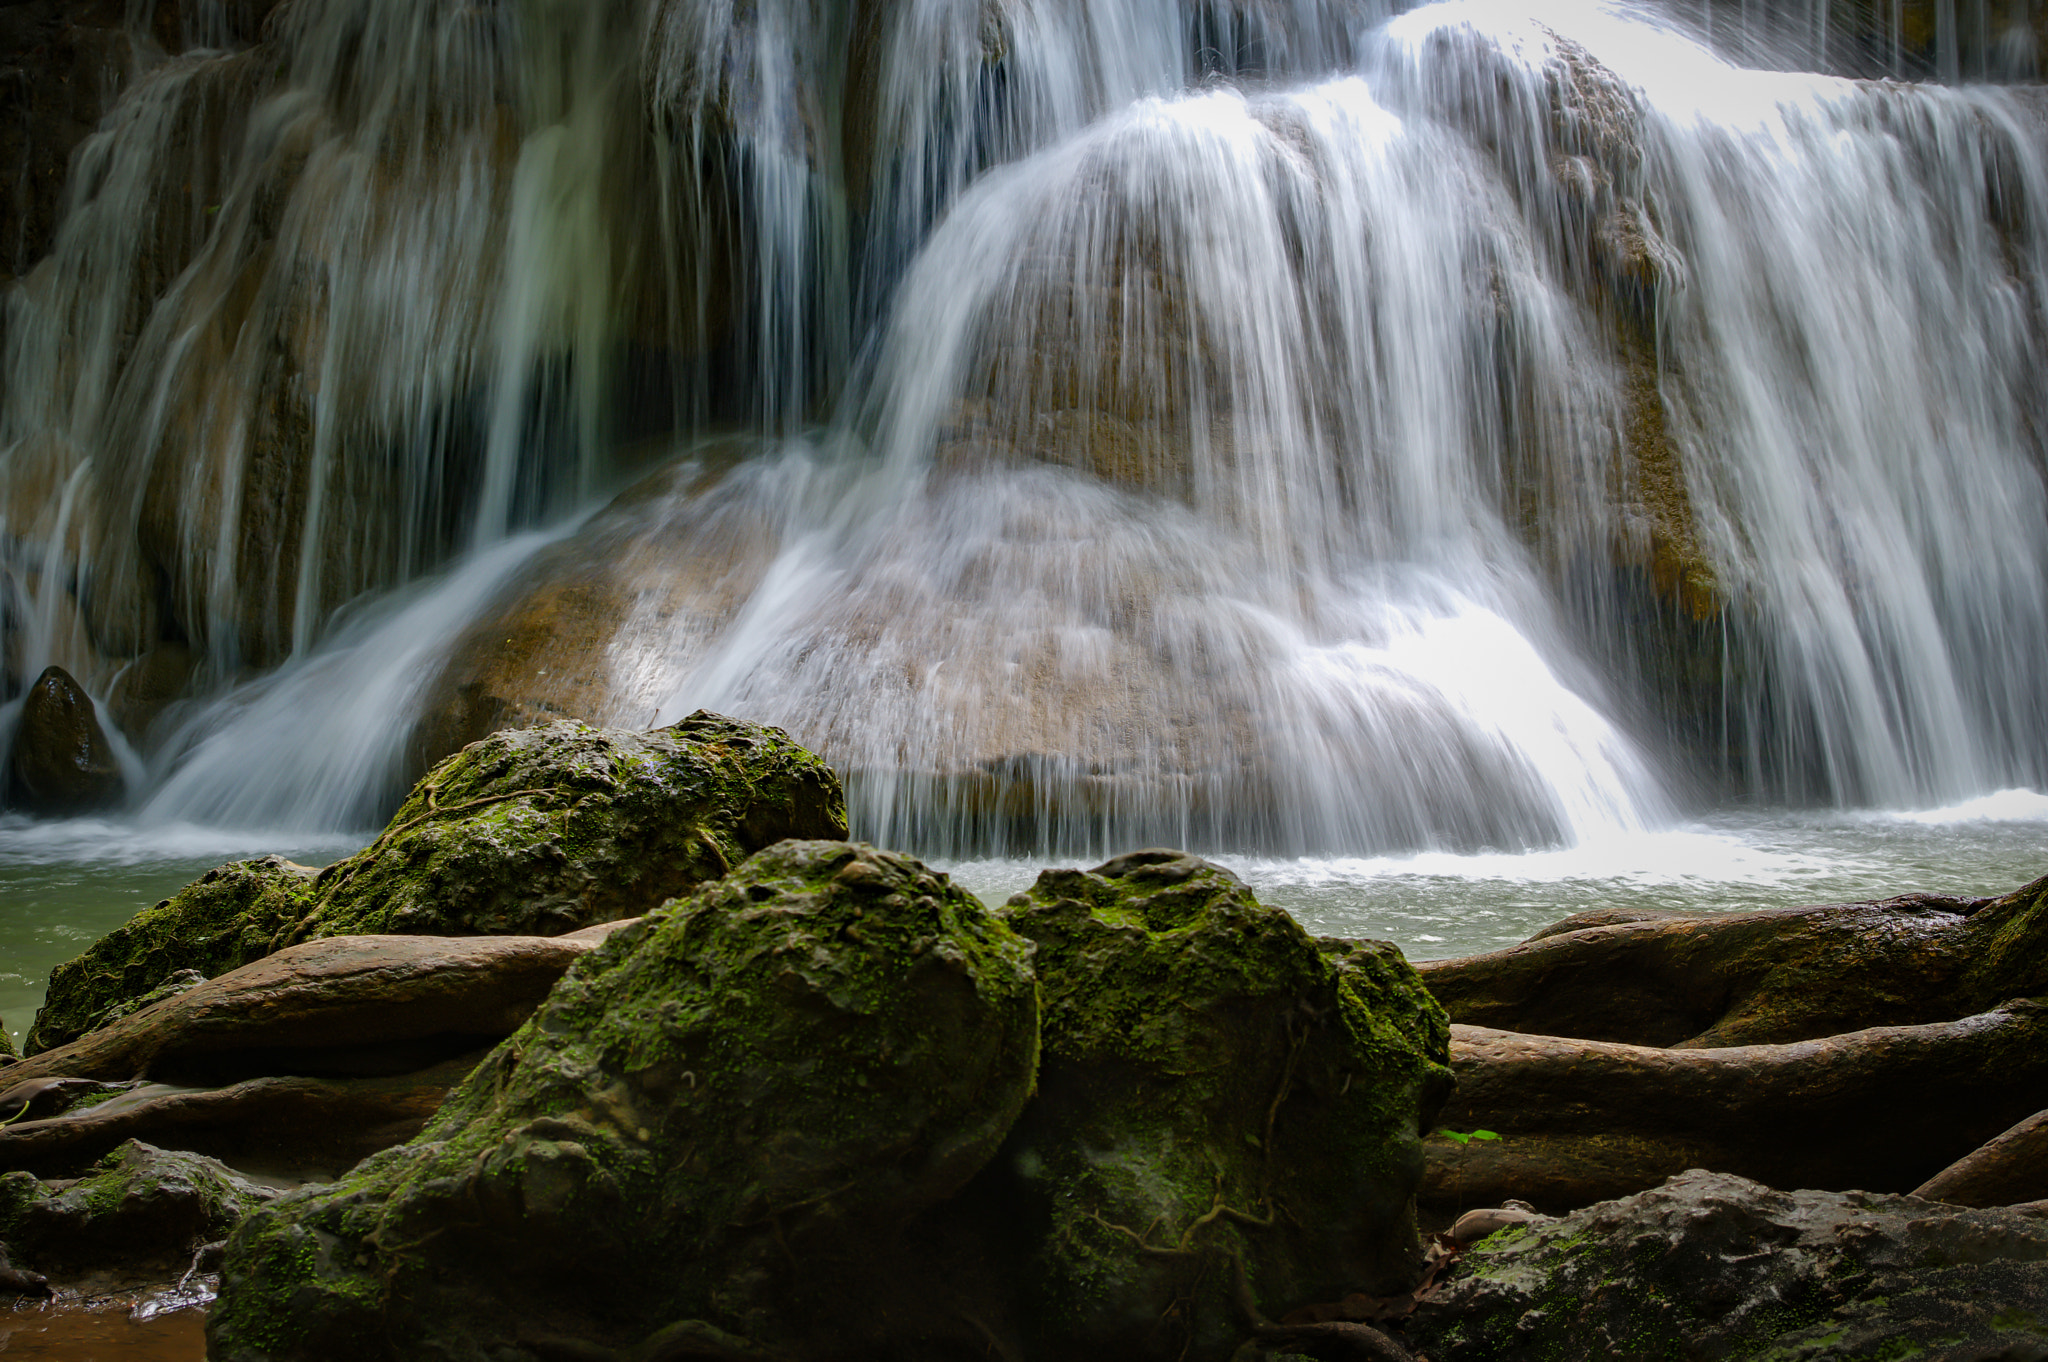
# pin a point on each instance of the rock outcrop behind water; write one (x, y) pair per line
(61, 761)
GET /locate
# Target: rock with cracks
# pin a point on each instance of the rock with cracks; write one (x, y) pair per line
(719, 1119)
(1229, 1112)
(1713, 1266)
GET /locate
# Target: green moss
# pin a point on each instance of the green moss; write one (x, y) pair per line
(548, 829)
(1214, 1082)
(788, 1061)
(220, 922)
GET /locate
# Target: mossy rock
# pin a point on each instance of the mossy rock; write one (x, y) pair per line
(716, 1116)
(1226, 1106)
(545, 830)
(221, 921)
(139, 1212)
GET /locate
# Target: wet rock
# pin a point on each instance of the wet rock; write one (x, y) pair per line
(1229, 1112)
(61, 762)
(1766, 977)
(716, 1116)
(290, 1126)
(1713, 1266)
(138, 1213)
(346, 1005)
(218, 923)
(550, 829)
(2009, 1170)
(1882, 1109)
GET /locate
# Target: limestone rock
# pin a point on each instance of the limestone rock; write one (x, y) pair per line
(1225, 1105)
(1766, 977)
(550, 829)
(1712, 1266)
(1882, 1109)
(140, 1211)
(62, 762)
(218, 923)
(714, 1118)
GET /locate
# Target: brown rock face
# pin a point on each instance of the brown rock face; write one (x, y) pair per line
(62, 762)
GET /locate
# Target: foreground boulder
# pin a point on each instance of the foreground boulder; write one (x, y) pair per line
(544, 830)
(220, 922)
(1713, 1266)
(1790, 974)
(136, 1216)
(61, 762)
(718, 1119)
(537, 832)
(1580, 1121)
(1229, 1112)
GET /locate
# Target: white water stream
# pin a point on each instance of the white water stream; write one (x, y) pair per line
(1167, 426)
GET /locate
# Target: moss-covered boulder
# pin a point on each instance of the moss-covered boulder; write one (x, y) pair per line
(1713, 1266)
(1229, 1113)
(138, 1213)
(544, 830)
(717, 1118)
(220, 922)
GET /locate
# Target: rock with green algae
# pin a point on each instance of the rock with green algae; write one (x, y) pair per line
(1709, 1265)
(137, 1214)
(223, 920)
(1229, 1111)
(544, 830)
(535, 832)
(717, 1117)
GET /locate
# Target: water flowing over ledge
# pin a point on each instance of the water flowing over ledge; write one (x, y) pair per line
(1318, 431)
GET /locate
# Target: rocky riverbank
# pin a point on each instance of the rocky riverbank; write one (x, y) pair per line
(612, 1047)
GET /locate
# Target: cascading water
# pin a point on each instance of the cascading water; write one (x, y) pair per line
(1283, 428)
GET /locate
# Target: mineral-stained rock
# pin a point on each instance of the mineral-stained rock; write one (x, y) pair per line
(2008, 1170)
(140, 1211)
(1226, 1106)
(545, 830)
(1882, 1109)
(61, 762)
(1713, 1266)
(715, 1117)
(218, 923)
(1754, 978)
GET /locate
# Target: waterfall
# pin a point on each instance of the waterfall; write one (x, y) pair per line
(1296, 427)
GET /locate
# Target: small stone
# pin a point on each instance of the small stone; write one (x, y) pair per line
(62, 762)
